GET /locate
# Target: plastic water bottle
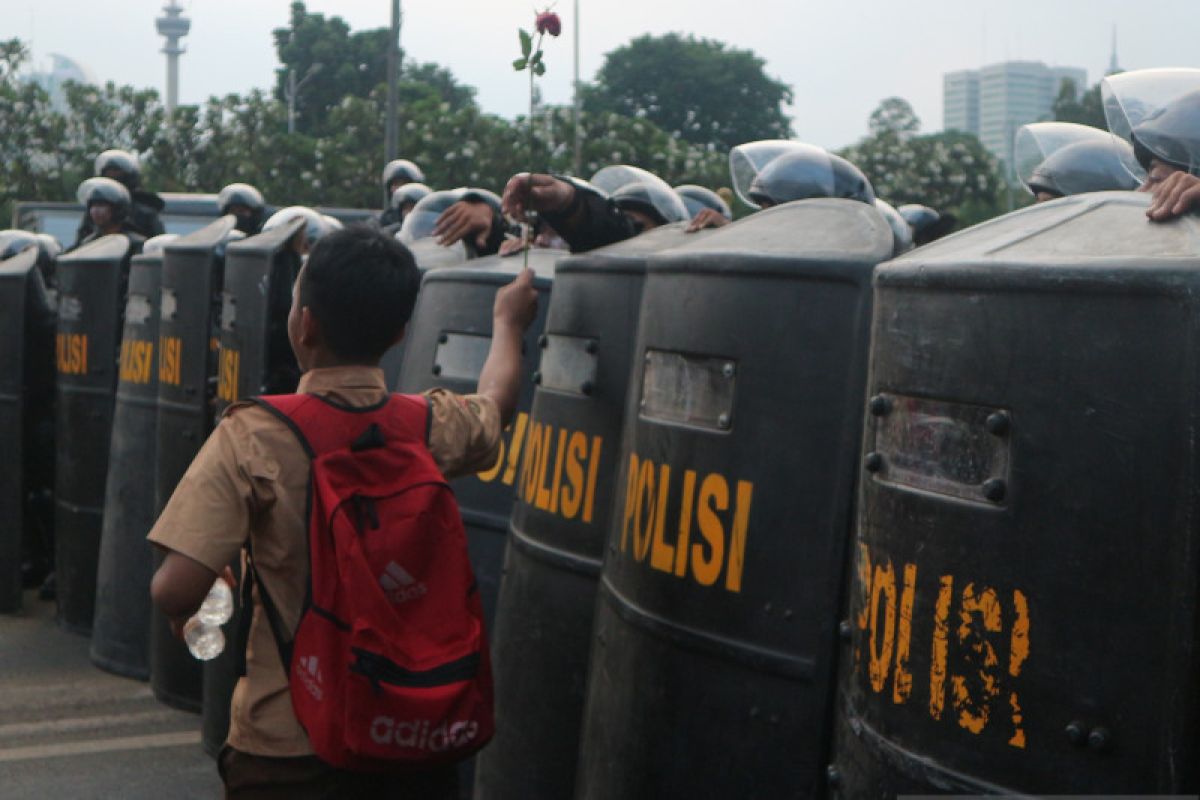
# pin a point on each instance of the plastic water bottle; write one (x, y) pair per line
(217, 607)
(205, 642)
(202, 633)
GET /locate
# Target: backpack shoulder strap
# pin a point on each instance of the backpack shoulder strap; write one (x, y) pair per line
(322, 424)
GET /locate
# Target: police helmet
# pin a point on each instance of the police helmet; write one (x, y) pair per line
(902, 232)
(1063, 158)
(409, 193)
(1171, 135)
(635, 189)
(698, 198)
(16, 241)
(806, 173)
(1130, 97)
(105, 190)
(747, 160)
(156, 245)
(419, 223)
(122, 162)
(927, 224)
(483, 196)
(315, 225)
(243, 194)
(404, 170)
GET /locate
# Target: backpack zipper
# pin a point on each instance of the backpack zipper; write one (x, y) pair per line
(379, 669)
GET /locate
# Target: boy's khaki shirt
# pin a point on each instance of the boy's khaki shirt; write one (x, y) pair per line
(251, 478)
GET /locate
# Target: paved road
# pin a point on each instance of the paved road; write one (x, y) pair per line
(68, 729)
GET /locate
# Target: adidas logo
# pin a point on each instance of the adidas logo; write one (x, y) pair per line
(398, 585)
(308, 670)
(418, 735)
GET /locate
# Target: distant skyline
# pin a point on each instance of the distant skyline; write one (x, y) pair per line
(840, 58)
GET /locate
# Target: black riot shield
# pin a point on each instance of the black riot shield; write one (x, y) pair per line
(427, 254)
(564, 494)
(712, 658)
(255, 356)
(1022, 608)
(448, 341)
(26, 412)
(192, 280)
(91, 296)
(121, 629)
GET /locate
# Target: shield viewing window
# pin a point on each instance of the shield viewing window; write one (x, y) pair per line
(688, 389)
(569, 364)
(939, 446)
(460, 356)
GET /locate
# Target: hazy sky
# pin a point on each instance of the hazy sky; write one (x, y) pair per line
(841, 56)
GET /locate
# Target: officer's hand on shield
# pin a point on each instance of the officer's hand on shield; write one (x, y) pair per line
(707, 218)
(466, 218)
(1173, 196)
(536, 192)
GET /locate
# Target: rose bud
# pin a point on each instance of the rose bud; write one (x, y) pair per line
(548, 22)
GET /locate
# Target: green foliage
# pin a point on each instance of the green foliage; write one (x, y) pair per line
(697, 89)
(949, 171)
(1087, 110)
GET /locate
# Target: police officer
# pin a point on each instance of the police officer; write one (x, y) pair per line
(618, 203)
(1057, 159)
(397, 173)
(16, 241)
(928, 224)
(468, 215)
(404, 199)
(244, 202)
(1167, 144)
(706, 208)
(108, 208)
(145, 206)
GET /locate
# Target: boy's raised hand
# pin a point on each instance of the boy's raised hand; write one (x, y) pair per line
(516, 303)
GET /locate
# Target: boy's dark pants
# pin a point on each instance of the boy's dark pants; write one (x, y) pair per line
(251, 777)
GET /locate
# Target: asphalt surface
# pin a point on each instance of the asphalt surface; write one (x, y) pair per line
(68, 729)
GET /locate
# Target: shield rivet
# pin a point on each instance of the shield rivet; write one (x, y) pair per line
(995, 490)
(443, 338)
(543, 341)
(723, 422)
(729, 369)
(537, 379)
(998, 423)
(587, 388)
(873, 462)
(1099, 739)
(437, 369)
(880, 405)
(1075, 733)
(591, 346)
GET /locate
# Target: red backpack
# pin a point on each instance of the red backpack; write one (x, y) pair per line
(389, 664)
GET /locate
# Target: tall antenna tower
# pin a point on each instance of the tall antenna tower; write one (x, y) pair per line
(173, 26)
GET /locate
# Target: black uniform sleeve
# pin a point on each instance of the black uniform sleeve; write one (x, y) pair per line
(590, 221)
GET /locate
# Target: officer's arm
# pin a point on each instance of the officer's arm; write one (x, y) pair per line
(590, 221)
(512, 313)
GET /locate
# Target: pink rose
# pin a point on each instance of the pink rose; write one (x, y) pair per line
(548, 22)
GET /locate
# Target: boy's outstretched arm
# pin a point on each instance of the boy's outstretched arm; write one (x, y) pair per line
(513, 311)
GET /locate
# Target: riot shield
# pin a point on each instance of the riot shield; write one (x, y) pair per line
(192, 280)
(1021, 618)
(91, 293)
(448, 341)
(712, 660)
(428, 254)
(121, 629)
(255, 356)
(26, 411)
(564, 493)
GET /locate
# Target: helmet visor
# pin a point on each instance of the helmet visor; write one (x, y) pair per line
(419, 223)
(1130, 97)
(746, 161)
(1065, 158)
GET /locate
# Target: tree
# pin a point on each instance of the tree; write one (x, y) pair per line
(1087, 110)
(949, 171)
(698, 90)
(350, 63)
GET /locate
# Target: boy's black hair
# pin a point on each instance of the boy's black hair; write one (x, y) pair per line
(361, 285)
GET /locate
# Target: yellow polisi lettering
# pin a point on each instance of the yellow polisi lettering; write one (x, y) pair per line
(572, 494)
(966, 659)
(72, 353)
(137, 358)
(700, 537)
(593, 472)
(707, 558)
(170, 360)
(228, 365)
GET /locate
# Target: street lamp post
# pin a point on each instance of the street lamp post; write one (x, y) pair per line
(294, 88)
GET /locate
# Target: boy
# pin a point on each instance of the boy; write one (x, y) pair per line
(350, 303)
